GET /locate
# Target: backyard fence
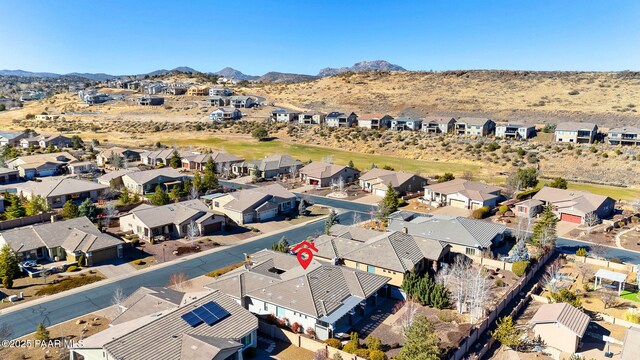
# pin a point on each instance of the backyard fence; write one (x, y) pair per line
(603, 263)
(277, 333)
(491, 263)
(26, 220)
(616, 321)
(475, 333)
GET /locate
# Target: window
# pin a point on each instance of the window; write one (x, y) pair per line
(266, 307)
(216, 204)
(280, 312)
(371, 269)
(470, 251)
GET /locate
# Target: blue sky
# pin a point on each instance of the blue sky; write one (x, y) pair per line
(127, 37)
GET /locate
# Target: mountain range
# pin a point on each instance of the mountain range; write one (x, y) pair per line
(275, 77)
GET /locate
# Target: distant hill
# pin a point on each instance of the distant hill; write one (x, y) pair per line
(362, 66)
(278, 77)
(28, 73)
(232, 73)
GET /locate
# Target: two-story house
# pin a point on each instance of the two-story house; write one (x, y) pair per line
(339, 119)
(576, 132)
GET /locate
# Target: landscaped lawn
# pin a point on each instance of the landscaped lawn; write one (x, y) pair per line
(628, 295)
(613, 192)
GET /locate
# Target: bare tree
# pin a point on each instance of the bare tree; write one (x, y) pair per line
(598, 250)
(321, 354)
(293, 170)
(117, 300)
(192, 231)
(470, 287)
(110, 212)
(341, 184)
(552, 277)
(193, 192)
(356, 218)
(409, 315)
(609, 297)
(548, 237)
(178, 281)
(591, 219)
(467, 175)
(584, 270)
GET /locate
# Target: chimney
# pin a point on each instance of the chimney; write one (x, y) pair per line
(405, 230)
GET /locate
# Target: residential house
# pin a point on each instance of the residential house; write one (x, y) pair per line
(560, 326)
(631, 344)
(284, 115)
(93, 98)
(438, 124)
(218, 101)
(12, 138)
(144, 182)
(225, 113)
(222, 161)
(269, 167)
(311, 118)
(374, 121)
(60, 189)
(126, 155)
(41, 165)
(242, 102)
(255, 204)
(8, 176)
(175, 90)
(162, 156)
(574, 206)
(515, 131)
(406, 123)
(172, 220)
(60, 240)
(161, 323)
(198, 90)
(155, 89)
(114, 178)
(391, 254)
(43, 141)
(462, 193)
(81, 167)
(328, 299)
(576, 132)
(528, 208)
(626, 135)
(376, 181)
(464, 235)
(324, 174)
(150, 100)
(474, 126)
(339, 119)
(220, 92)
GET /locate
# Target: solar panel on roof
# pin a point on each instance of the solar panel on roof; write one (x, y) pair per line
(191, 319)
(205, 315)
(217, 310)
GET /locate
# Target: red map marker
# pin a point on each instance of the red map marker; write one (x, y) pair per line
(304, 253)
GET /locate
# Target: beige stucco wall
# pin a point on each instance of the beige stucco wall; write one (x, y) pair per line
(396, 277)
(557, 336)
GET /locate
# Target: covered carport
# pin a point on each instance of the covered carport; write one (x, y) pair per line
(612, 276)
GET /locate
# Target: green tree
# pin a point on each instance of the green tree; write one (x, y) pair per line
(36, 205)
(88, 209)
(70, 210)
(421, 343)
(15, 209)
(260, 133)
(281, 246)
(51, 148)
(558, 183)
(332, 219)
(8, 264)
(176, 193)
(544, 232)
(197, 181)
(524, 178)
(76, 142)
(125, 199)
(565, 295)
(159, 197)
(351, 165)
(175, 161)
(506, 332)
(42, 334)
(446, 177)
(389, 203)
(373, 343)
(210, 179)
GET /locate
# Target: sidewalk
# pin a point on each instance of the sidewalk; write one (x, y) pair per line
(28, 304)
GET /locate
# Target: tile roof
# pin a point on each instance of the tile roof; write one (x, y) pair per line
(146, 301)
(625, 130)
(371, 116)
(106, 178)
(564, 314)
(352, 232)
(581, 202)
(79, 240)
(196, 347)
(62, 157)
(471, 189)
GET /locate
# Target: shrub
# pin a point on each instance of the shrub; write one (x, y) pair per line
(363, 353)
(574, 92)
(480, 213)
(224, 270)
(377, 355)
(632, 316)
(334, 343)
(350, 347)
(581, 252)
(499, 283)
(138, 262)
(520, 267)
(68, 284)
(296, 327)
(373, 343)
(72, 268)
(503, 209)
(337, 356)
(7, 282)
(525, 194)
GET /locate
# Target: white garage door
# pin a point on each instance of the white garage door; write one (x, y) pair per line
(380, 192)
(268, 214)
(458, 203)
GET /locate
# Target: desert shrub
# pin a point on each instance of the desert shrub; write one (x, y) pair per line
(7, 282)
(72, 268)
(377, 355)
(138, 262)
(67, 284)
(364, 353)
(632, 316)
(499, 283)
(337, 356)
(224, 270)
(446, 316)
(525, 194)
(503, 209)
(574, 92)
(480, 213)
(520, 267)
(581, 252)
(334, 343)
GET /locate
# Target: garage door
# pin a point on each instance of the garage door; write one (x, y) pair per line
(211, 228)
(379, 192)
(571, 218)
(458, 203)
(266, 215)
(475, 206)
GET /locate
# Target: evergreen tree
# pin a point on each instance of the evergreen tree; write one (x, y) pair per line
(351, 165)
(302, 207)
(197, 181)
(51, 148)
(159, 197)
(175, 193)
(422, 343)
(70, 210)
(42, 333)
(210, 180)
(558, 183)
(332, 219)
(389, 203)
(544, 231)
(124, 197)
(506, 332)
(88, 209)
(36, 205)
(15, 210)
(76, 142)
(175, 161)
(446, 177)
(9, 268)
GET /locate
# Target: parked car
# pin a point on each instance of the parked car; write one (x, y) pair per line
(30, 263)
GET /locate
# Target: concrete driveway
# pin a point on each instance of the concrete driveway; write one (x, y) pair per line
(451, 211)
(565, 227)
